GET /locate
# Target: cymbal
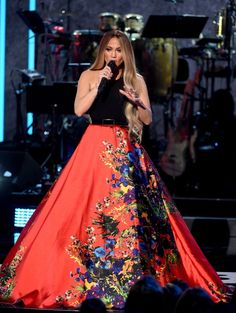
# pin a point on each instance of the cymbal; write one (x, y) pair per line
(207, 40)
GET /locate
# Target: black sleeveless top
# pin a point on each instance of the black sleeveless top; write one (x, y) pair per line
(109, 104)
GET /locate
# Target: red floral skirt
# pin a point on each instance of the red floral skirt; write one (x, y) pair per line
(107, 221)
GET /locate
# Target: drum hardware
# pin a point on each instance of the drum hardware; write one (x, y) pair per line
(74, 70)
(60, 39)
(82, 52)
(84, 44)
(190, 51)
(225, 23)
(206, 41)
(226, 29)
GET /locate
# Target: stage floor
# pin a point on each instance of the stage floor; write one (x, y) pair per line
(4, 308)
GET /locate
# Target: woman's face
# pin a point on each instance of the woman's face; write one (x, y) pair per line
(113, 51)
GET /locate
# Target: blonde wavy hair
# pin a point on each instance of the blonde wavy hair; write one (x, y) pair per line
(130, 75)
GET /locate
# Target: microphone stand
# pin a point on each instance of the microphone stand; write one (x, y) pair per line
(230, 9)
(19, 136)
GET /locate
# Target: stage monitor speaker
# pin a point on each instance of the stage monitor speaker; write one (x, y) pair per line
(20, 168)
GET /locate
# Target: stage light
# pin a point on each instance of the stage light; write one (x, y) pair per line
(22, 215)
(31, 62)
(2, 64)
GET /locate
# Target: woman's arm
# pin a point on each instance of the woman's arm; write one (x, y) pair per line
(143, 104)
(140, 100)
(87, 88)
(86, 92)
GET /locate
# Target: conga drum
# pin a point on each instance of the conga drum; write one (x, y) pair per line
(133, 25)
(110, 21)
(163, 55)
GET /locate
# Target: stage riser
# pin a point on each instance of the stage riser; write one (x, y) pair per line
(225, 228)
(29, 310)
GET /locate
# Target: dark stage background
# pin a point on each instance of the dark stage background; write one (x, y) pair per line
(67, 34)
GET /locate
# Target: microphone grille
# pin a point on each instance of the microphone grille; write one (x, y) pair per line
(112, 65)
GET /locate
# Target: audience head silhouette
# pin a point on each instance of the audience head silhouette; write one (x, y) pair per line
(93, 305)
(194, 300)
(145, 296)
(172, 293)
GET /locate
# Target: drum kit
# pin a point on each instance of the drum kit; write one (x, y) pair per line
(157, 55)
(156, 58)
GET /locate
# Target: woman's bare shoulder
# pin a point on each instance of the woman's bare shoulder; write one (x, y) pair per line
(88, 77)
(141, 80)
(140, 77)
(88, 74)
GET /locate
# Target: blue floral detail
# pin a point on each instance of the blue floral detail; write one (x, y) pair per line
(88, 277)
(117, 266)
(135, 252)
(131, 157)
(90, 264)
(129, 196)
(110, 243)
(100, 252)
(124, 169)
(124, 181)
(138, 151)
(143, 246)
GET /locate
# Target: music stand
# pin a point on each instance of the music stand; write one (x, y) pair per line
(56, 100)
(33, 20)
(174, 26)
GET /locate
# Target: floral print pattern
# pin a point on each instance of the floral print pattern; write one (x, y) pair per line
(130, 234)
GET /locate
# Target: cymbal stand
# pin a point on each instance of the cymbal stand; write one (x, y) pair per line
(53, 155)
(230, 12)
(20, 131)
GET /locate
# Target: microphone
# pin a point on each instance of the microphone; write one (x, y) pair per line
(104, 81)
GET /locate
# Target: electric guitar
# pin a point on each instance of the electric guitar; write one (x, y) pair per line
(173, 160)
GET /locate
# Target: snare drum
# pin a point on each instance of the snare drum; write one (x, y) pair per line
(109, 21)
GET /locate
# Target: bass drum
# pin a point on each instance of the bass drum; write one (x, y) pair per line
(157, 60)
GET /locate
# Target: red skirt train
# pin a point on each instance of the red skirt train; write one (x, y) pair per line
(107, 220)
